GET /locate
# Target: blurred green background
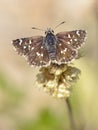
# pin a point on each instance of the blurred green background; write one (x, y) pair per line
(22, 105)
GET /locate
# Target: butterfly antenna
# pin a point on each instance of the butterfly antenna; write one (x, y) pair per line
(38, 29)
(60, 24)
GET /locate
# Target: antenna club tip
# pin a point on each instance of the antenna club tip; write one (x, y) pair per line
(38, 29)
(64, 22)
(60, 24)
(33, 27)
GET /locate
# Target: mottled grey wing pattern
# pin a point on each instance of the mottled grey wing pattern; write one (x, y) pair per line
(38, 57)
(32, 49)
(68, 44)
(74, 38)
(64, 53)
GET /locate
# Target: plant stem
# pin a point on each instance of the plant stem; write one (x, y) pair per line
(70, 114)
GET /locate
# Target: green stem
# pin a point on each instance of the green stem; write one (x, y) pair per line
(70, 114)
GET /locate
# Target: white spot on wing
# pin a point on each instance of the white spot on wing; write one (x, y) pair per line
(62, 52)
(32, 48)
(42, 54)
(65, 49)
(20, 41)
(30, 42)
(24, 47)
(71, 40)
(37, 53)
(68, 42)
(75, 39)
(41, 47)
(78, 32)
(69, 36)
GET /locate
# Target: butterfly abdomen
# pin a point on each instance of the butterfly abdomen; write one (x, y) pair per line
(52, 52)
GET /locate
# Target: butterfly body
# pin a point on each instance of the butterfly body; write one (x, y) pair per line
(50, 44)
(61, 48)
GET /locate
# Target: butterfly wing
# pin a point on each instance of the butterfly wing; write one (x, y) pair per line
(64, 53)
(39, 56)
(74, 38)
(67, 45)
(32, 48)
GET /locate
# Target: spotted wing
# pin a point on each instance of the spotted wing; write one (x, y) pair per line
(39, 56)
(68, 44)
(64, 52)
(33, 49)
(75, 38)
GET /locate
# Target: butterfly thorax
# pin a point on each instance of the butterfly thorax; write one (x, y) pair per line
(50, 39)
(50, 43)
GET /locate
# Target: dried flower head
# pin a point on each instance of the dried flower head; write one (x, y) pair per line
(57, 80)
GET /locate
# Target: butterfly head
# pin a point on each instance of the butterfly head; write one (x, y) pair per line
(49, 31)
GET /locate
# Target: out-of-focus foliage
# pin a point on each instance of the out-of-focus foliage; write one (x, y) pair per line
(12, 96)
(46, 120)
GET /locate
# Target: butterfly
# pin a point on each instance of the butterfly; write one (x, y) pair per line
(41, 51)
